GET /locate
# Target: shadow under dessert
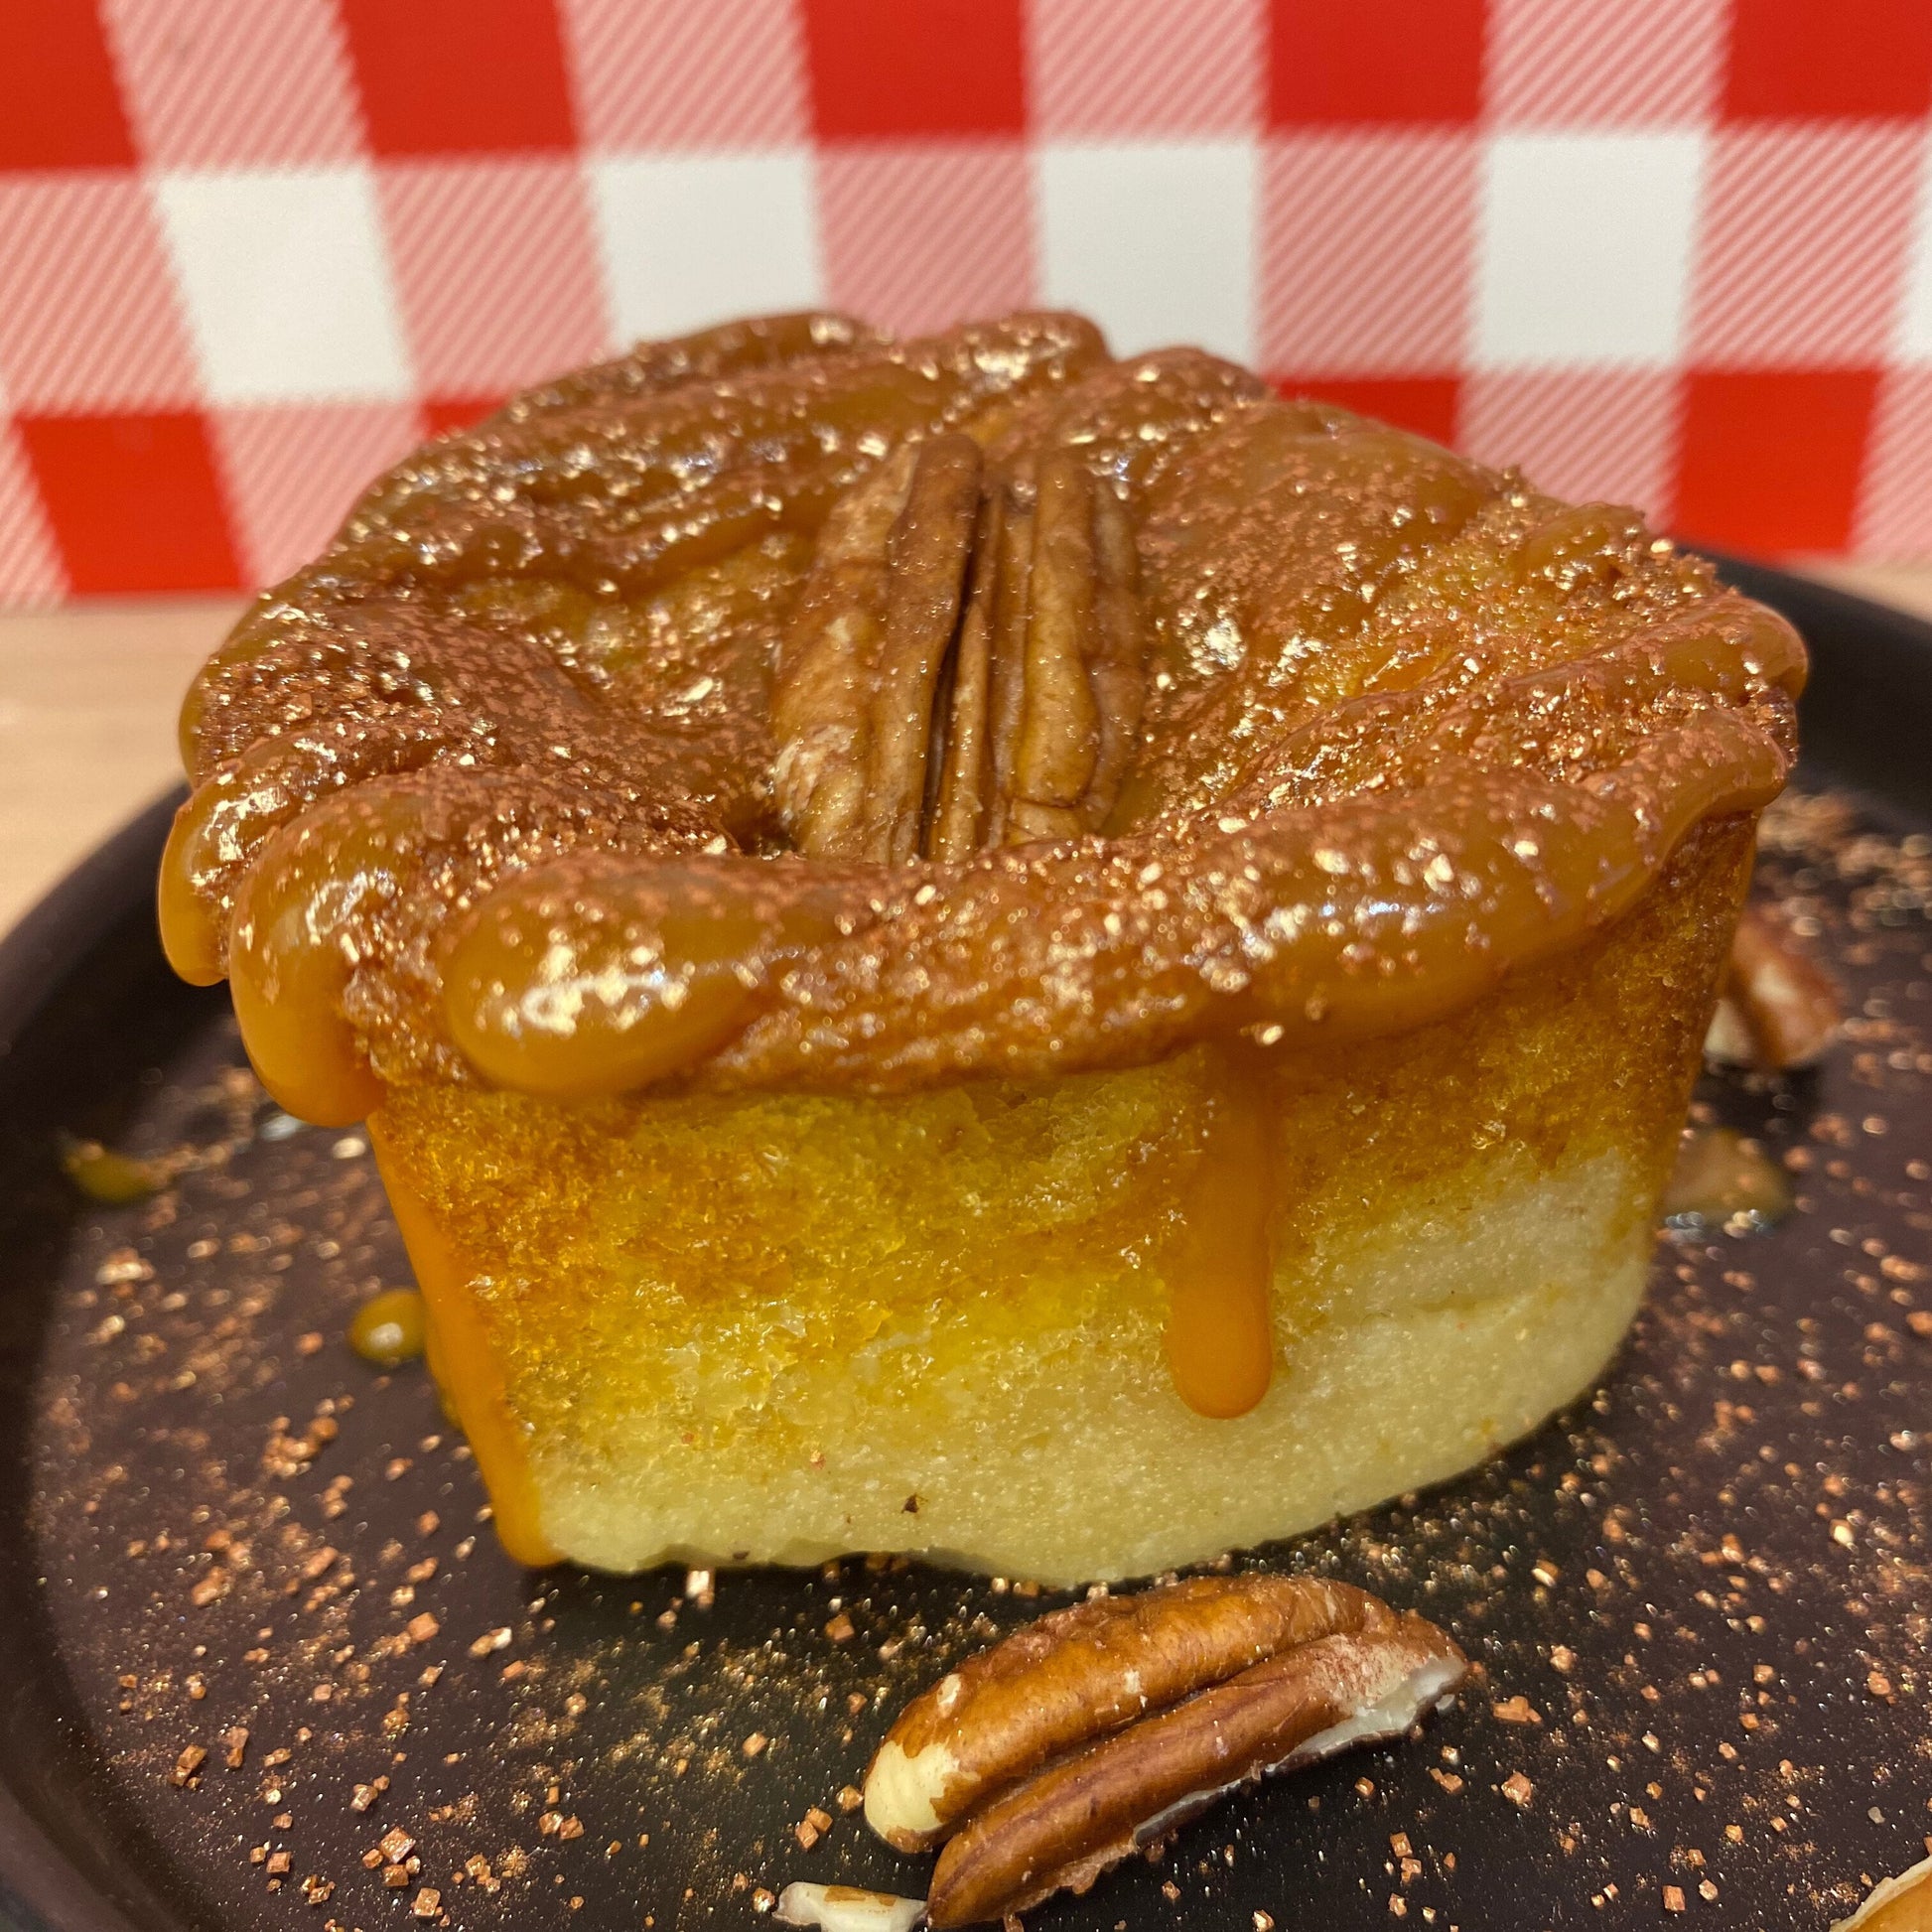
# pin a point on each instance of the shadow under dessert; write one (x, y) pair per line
(965, 947)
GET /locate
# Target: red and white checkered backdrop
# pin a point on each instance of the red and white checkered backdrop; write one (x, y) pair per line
(1677, 252)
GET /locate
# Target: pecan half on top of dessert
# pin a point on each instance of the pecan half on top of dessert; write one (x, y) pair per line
(961, 945)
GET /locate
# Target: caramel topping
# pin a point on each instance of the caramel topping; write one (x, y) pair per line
(1221, 1338)
(602, 747)
(388, 1329)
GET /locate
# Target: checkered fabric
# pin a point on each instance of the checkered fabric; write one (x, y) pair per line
(1677, 252)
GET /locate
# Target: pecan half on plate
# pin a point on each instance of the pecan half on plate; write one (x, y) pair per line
(1777, 1010)
(1098, 1729)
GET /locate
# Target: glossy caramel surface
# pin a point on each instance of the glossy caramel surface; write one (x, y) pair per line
(486, 791)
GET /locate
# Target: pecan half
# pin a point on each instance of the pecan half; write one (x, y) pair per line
(1063, 1829)
(1078, 1673)
(929, 546)
(1101, 1728)
(966, 665)
(1777, 1010)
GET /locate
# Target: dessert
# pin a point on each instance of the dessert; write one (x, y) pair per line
(967, 948)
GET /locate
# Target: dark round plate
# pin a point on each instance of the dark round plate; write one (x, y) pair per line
(1700, 1600)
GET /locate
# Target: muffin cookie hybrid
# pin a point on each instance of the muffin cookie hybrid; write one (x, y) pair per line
(968, 947)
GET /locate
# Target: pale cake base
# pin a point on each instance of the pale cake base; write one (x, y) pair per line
(779, 1327)
(1467, 1329)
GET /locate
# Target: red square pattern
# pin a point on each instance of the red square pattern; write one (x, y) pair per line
(1366, 246)
(59, 105)
(460, 76)
(213, 85)
(894, 69)
(1605, 63)
(1413, 60)
(444, 413)
(686, 73)
(1806, 231)
(1591, 435)
(496, 269)
(134, 501)
(1772, 458)
(29, 569)
(1422, 403)
(293, 474)
(1792, 58)
(918, 239)
(1797, 422)
(1110, 69)
(89, 320)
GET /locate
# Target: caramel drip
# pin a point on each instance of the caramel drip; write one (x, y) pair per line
(287, 972)
(1721, 1173)
(1220, 1342)
(466, 1367)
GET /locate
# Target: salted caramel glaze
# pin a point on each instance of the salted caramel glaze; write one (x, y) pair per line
(786, 707)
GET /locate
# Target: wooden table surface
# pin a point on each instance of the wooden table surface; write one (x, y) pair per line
(89, 696)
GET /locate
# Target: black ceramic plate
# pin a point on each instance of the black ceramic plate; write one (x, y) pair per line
(1702, 1596)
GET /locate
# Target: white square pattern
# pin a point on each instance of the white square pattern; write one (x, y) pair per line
(692, 239)
(1584, 253)
(1154, 239)
(1913, 341)
(285, 284)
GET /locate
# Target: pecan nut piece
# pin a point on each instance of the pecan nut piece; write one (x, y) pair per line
(931, 542)
(821, 709)
(1079, 1674)
(846, 1908)
(1063, 1827)
(962, 724)
(1778, 1010)
(966, 665)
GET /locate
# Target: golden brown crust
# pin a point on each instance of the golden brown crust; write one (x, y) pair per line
(1405, 725)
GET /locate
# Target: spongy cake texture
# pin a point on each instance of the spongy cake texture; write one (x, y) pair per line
(777, 1327)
